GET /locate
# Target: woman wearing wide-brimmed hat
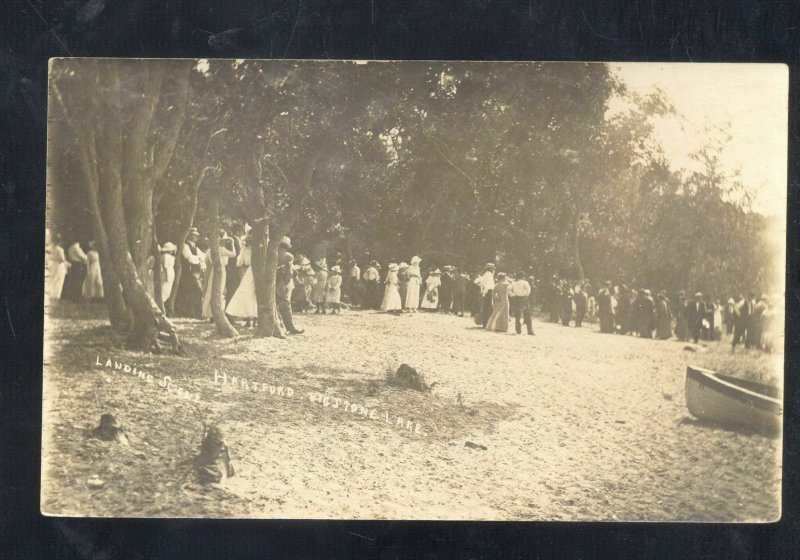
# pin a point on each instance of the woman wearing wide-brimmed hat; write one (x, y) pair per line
(391, 293)
(414, 282)
(431, 300)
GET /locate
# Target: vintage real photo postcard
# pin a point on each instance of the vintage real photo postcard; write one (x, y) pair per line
(414, 290)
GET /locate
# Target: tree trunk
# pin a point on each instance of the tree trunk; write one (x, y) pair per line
(224, 327)
(118, 312)
(148, 319)
(123, 156)
(186, 220)
(265, 266)
(157, 293)
(169, 305)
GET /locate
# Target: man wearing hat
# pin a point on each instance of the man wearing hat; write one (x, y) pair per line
(743, 323)
(695, 310)
(189, 299)
(519, 292)
(486, 283)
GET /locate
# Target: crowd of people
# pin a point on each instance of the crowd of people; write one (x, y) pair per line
(748, 321)
(492, 298)
(75, 274)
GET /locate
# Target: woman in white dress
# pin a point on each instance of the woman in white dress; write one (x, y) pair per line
(59, 265)
(167, 269)
(431, 299)
(93, 282)
(243, 304)
(226, 251)
(414, 282)
(334, 290)
(498, 320)
(391, 293)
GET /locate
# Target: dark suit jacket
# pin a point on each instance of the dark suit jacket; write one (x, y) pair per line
(694, 312)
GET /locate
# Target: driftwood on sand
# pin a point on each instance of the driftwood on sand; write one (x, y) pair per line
(213, 464)
(110, 430)
(408, 377)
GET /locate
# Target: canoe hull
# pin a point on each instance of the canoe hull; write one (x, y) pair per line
(716, 400)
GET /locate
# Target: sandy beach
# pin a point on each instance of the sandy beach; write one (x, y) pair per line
(576, 426)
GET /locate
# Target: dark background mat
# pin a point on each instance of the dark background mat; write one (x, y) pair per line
(31, 31)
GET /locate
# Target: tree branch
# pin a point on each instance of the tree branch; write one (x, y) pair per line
(165, 151)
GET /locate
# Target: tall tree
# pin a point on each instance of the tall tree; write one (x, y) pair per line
(127, 117)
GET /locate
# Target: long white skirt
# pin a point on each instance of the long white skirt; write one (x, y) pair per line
(56, 283)
(93, 282)
(243, 304)
(412, 293)
(391, 299)
(431, 299)
(167, 280)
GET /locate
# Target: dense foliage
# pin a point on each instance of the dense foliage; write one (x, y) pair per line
(524, 163)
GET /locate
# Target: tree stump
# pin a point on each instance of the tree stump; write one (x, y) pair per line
(214, 462)
(408, 377)
(109, 430)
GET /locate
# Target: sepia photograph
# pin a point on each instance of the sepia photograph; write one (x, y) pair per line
(414, 290)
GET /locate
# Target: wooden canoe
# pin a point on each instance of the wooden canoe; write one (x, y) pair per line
(735, 402)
